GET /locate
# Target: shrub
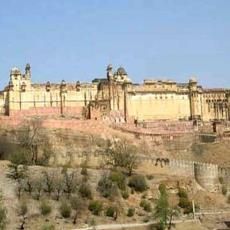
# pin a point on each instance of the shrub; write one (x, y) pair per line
(85, 191)
(45, 208)
(125, 194)
(131, 212)
(149, 176)
(186, 204)
(143, 196)
(224, 190)
(48, 227)
(110, 211)
(104, 186)
(84, 171)
(65, 209)
(95, 207)
(221, 180)
(146, 205)
(118, 178)
(138, 182)
(182, 193)
(162, 188)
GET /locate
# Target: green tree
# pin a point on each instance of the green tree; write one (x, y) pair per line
(162, 210)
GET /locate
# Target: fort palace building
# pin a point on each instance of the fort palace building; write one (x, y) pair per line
(113, 97)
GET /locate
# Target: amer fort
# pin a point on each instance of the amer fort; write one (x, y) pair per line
(163, 111)
(114, 96)
(181, 130)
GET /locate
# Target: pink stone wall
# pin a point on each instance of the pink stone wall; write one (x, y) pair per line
(48, 111)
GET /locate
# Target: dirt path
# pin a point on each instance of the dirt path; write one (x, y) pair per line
(141, 226)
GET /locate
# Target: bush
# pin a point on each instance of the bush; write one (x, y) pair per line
(105, 186)
(162, 188)
(84, 171)
(221, 180)
(118, 178)
(224, 190)
(186, 204)
(48, 227)
(149, 176)
(96, 207)
(45, 208)
(65, 209)
(125, 194)
(182, 193)
(85, 191)
(110, 211)
(131, 212)
(138, 182)
(146, 205)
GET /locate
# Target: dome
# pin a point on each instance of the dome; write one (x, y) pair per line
(15, 71)
(193, 79)
(121, 71)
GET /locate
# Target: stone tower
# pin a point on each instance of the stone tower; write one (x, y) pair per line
(194, 99)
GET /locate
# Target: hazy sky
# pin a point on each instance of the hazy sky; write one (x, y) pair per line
(77, 39)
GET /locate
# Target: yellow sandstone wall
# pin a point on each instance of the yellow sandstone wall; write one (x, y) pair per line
(158, 106)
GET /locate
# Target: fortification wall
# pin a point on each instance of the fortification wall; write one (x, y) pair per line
(207, 175)
(225, 174)
(48, 111)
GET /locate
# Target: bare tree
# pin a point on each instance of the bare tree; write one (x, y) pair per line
(122, 155)
(77, 205)
(70, 182)
(33, 140)
(22, 211)
(48, 182)
(58, 185)
(38, 186)
(30, 137)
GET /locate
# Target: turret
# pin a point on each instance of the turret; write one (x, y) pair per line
(15, 78)
(109, 72)
(28, 71)
(121, 76)
(193, 97)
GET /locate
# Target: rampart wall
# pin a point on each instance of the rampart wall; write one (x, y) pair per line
(205, 174)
